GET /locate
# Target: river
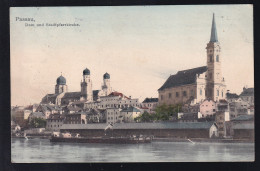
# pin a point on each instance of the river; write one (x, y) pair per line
(38, 150)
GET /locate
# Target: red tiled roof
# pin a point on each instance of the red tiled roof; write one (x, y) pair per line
(115, 93)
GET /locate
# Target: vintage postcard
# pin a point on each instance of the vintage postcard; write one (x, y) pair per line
(132, 84)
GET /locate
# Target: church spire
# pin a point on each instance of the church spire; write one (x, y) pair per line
(214, 36)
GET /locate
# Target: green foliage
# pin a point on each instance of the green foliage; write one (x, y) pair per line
(37, 123)
(145, 117)
(165, 112)
(162, 113)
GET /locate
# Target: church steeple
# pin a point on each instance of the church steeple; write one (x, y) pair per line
(214, 36)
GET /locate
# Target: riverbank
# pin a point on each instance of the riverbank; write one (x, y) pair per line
(201, 140)
(156, 139)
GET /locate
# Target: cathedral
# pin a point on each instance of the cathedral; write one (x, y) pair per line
(62, 97)
(197, 84)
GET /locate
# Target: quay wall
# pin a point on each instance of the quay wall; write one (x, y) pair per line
(160, 133)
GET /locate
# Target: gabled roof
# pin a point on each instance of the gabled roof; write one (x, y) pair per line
(150, 100)
(183, 77)
(247, 92)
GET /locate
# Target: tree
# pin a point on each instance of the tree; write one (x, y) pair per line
(37, 123)
(165, 112)
(145, 117)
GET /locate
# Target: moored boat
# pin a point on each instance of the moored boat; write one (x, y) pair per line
(66, 137)
(109, 140)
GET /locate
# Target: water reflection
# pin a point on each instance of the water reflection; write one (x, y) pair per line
(41, 150)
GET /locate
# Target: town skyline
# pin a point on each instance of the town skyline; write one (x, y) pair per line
(140, 60)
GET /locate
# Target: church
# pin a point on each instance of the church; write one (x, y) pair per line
(62, 97)
(196, 84)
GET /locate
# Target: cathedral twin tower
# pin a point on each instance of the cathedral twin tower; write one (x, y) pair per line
(86, 92)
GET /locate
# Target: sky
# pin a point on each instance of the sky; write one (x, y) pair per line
(139, 46)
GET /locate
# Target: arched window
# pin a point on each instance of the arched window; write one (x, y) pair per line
(211, 58)
(217, 58)
(217, 92)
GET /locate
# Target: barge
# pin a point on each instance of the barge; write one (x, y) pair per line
(108, 140)
(67, 137)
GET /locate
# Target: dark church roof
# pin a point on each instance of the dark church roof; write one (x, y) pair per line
(61, 80)
(106, 76)
(183, 77)
(86, 71)
(72, 95)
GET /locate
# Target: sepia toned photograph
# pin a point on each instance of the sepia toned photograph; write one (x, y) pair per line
(117, 84)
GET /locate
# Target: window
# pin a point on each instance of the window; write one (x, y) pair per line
(177, 94)
(217, 92)
(170, 95)
(161, 97)
(184, 93)
(200, 91)
(191, 92)
(211, 58)
(222, 94)
(217, 58)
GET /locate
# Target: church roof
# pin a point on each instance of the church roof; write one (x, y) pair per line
(106, 76)
(183, 77)
(86, 71)
(61, 80)
(72, 95)
(214, 36)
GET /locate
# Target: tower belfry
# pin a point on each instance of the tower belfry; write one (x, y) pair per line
(215, 83)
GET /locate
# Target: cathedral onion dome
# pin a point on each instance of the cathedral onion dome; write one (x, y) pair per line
(86, 71)
(106, 76)
(61, 80)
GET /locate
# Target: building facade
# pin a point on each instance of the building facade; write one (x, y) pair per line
(150, 104)
(195, 85)
(54, 122)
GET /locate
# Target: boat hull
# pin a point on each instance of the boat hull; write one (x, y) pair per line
(101, 140)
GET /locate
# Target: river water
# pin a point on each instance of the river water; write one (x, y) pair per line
(43, 151)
